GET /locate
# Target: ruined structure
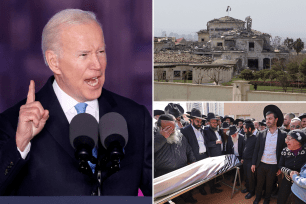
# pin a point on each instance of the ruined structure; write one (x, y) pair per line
(233, 39)
(227, 46)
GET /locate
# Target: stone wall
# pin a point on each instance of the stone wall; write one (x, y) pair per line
(164, 91)
(190, 92)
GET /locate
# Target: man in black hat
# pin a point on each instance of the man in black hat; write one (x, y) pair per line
(225, 129)
(236, 142)
(171, 150)
(228, 119)
(239, 122)
(197, 141)
(262, 125)
(248, 151)
(214, 139)
(303, 119)
(269, 145)
(287, 119)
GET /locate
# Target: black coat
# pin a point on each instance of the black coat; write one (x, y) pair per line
(193, 142)
(51, 169)
(260, 145)
(213, 148)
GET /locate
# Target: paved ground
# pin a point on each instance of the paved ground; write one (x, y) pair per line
(223, 197)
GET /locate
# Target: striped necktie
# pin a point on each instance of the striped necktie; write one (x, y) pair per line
(81, 108)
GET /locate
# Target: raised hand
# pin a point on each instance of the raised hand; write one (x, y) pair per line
(32, 119)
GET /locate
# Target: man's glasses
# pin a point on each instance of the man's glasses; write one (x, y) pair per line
(295, 126)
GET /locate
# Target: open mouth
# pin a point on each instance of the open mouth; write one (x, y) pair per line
(92, 81)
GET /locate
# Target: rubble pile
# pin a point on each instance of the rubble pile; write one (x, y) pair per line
(163, 57)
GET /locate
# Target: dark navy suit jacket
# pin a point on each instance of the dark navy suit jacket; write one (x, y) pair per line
(193, 142)
(50, 168)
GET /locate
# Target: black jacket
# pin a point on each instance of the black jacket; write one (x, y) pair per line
(260, 145)
(213, 148)
(193, 142)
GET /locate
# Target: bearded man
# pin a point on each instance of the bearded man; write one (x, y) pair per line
(248, 151)
(198, 143)
(303, 119)
(171, 150)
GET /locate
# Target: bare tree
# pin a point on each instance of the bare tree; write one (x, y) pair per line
(160, 74)
(214, 74)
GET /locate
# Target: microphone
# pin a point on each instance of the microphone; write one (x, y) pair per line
(83, 135)
(114, 136)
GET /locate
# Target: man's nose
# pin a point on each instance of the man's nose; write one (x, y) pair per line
(95, 62)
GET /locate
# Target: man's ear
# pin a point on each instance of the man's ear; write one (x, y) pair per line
(53, 61)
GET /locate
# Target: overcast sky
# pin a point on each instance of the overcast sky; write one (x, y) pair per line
(277, 17)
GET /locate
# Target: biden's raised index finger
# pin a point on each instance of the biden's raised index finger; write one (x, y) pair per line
(31, 93)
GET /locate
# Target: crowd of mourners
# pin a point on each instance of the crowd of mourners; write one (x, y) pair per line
(272, 151)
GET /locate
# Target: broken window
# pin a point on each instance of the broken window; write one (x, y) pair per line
(177, 73)
(266, 63)
(253, 63)
(220, 44)
(251, 46)
(164, 75)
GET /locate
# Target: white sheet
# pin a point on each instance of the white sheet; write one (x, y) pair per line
(193, 173)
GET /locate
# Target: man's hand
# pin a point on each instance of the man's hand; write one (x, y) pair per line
(253, 168)
(167, 131)
(218, 142)
(241, 161)
(278, 172)
(32, 119)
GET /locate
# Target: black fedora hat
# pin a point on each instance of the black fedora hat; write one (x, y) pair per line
(226, 116)
(238, 120)
(158, 112)
(195, 113)
(211, 116)
(232, 130)
(173, 109)
(303, 115)
(263, 123)
(274, 109)
(225, 126)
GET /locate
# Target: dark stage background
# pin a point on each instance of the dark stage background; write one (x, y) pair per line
(127, 27)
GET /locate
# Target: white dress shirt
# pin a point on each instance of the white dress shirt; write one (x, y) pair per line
(200, 139)
(269, 154)
(219, 138)
(67, 103)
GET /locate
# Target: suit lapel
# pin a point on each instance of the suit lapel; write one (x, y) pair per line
(57, 124)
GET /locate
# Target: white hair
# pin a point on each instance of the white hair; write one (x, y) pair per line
(52, 30)
(295, 119)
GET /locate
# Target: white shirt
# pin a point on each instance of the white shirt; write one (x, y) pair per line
(269, 154)
(236, 152)
(219, 138)
(200, 139)
(67, 103)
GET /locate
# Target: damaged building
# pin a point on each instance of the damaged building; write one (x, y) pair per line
(226, 47)
(228, 38)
